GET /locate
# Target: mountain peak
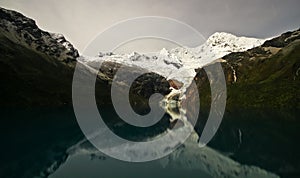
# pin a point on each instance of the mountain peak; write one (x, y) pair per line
(24, 31)
(180, 63)
(219, 35)
(224, 39)
(164, 52)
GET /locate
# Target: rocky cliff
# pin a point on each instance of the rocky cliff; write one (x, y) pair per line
(24, 31)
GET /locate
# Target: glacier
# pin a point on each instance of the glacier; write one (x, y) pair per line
(179, 64)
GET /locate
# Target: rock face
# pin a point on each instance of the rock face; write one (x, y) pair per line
(283, 40)
(175, 84)
(141, 89)
(266, 76)
(37, 67)
(24, 31)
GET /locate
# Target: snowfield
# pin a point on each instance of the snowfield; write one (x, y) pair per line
(180, 63)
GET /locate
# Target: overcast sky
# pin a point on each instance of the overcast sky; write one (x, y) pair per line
(81, 20)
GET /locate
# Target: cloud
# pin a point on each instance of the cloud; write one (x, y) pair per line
(81, 20)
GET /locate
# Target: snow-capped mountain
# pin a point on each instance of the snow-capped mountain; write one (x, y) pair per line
(180, 63)
(24, 31)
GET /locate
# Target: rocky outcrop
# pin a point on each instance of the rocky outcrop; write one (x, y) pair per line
(24, 31)
(283, 40)
(141, 89)
(175, 84)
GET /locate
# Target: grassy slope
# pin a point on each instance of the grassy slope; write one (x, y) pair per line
(32, 78)
(262, 81)
(271, 82)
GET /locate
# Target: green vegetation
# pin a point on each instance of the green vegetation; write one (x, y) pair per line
(264, 80)
(32, 78)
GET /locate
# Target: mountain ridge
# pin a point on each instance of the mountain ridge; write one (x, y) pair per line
(177, 65)
(37, 67)
(24, 31)
(269, 72)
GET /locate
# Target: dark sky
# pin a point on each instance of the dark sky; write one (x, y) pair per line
(81, 20)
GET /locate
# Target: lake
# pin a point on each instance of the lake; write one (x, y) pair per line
(39, 142)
